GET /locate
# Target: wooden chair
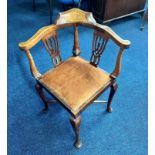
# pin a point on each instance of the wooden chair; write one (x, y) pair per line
(75, 83)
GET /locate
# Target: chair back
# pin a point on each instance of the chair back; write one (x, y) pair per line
(75, 18)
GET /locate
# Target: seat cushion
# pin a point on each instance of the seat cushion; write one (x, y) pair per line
(75, 83)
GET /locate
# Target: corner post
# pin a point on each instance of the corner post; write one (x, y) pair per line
(76, 49)
(117, 69)
(39, 89)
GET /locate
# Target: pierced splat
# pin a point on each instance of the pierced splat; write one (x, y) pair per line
(99, 43)
(52, 46)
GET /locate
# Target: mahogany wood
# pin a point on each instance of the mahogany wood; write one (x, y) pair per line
(117, 69)
(75, 122)
(113, 90)
(48, 35)
(76, 49)
(98, 46)
(52, 46)
(42, 96)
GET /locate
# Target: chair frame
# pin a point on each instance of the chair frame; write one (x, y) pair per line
(75, 18)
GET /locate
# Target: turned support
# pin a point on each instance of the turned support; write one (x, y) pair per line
(75, 122)
(76, 49)
(117, 69)
(111, 95)
(39, 89)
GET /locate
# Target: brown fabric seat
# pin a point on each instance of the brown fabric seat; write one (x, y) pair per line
(75, 82)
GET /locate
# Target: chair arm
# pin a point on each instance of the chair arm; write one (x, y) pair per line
(117, 68)
(33, 68)
(25, 46)
(117, 39)
(36, 37)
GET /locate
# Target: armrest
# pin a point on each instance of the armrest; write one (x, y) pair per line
(36, 37)
(123, 44)
(117, 39)
(25, 46)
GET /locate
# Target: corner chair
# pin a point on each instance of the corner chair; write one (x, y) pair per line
(75, 83)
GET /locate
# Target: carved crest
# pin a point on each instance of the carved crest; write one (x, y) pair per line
(75, 15)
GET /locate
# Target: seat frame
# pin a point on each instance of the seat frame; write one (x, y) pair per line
(75, 18)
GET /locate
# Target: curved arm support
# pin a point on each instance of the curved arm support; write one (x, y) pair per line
(33, 68)
(36, 37)
(117, 69)
(117, 39)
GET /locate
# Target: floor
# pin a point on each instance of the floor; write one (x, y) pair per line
(30, 132)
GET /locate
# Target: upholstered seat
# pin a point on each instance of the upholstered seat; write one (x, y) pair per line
(75, 82)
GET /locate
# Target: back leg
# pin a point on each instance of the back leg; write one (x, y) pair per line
(39, 89)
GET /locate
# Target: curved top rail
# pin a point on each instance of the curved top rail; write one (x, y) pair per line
(74, 16)
(70, 18)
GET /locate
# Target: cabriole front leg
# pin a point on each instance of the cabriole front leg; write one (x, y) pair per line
(75, 122)
(39, 89)
(111, 95)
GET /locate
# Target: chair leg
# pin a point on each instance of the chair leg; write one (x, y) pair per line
(75, 122)
(39, 89)
(111, 95)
